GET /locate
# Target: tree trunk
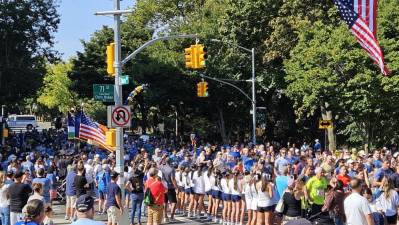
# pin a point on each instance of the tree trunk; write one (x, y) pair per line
(326, 114)
(222, 127)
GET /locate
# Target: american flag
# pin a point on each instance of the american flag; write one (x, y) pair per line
(367, 10)
(364, 36)
(91, 130)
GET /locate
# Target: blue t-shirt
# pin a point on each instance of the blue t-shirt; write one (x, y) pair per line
(281, 184)
(46, 187)
(113, 190)
(381, 173)
(70, 189)
(103, 179)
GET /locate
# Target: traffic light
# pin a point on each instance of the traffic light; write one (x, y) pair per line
(110, 137)
(202, 89)
(199, 90)
(110, 59)
(205, 87)
(202, 55)
(189, 56)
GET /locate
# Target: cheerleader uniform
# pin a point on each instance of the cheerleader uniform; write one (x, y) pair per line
(254, 203)
(187, 182)
(248, 196)
(216, 193)
(179, 182)
(235, 193)
(198, 183)
(207, 184)
(226, 192)
(265, 203)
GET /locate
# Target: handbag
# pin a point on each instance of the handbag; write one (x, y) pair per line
(280, 205)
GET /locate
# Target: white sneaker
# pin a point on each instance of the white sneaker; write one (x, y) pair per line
(188, 215)
(215, 219)
(221, 221)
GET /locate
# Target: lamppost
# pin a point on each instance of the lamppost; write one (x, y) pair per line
(252, 51)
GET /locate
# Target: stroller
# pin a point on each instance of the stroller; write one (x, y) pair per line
(61, 187)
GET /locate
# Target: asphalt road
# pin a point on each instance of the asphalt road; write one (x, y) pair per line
(59, 214)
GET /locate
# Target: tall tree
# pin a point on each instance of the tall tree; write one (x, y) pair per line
(26, 38)
(56, 92)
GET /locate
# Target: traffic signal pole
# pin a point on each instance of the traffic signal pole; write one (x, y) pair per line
(253, 98)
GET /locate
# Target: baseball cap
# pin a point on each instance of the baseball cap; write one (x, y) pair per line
(84, 203)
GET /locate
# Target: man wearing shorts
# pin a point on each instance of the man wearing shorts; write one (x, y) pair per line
(70, 192)
(158, 190)
(168, 176)
(114, 200)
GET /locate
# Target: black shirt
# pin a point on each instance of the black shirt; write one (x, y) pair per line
(19, 194)
(137, 182)
(292, 207)
(80, 182)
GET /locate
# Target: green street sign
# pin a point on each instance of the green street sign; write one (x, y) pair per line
(124, 79)
(103, 92)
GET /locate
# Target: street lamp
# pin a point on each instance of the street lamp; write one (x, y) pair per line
(253, 111)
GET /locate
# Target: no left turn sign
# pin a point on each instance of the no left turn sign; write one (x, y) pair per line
(120, 116)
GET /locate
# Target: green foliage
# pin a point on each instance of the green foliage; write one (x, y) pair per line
(96, 110)
(56, 91)
(26, 29)
(328, 66)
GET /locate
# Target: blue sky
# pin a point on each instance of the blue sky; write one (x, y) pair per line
(79, 22)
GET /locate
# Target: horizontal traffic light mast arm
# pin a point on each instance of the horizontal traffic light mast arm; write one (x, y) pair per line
(230, 84)
(148, 43)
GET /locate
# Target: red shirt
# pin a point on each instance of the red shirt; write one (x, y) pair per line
(157, 190)
(344, 178)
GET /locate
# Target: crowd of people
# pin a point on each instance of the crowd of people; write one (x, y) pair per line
(231, 185)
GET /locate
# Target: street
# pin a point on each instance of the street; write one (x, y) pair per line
(59, 214)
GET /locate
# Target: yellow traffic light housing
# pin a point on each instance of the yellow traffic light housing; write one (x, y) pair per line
(202, 55)
(202, 89)
(110, 59)
(199, 90)
(188, 55)
(110, 138)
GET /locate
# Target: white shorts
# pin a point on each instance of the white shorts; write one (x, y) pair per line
(253, 205)
(71, 201)
(113, 214)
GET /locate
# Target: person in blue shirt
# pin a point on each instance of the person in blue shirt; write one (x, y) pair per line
(27, 165)
(317, 145)
(70, 192)
(384, 171)
(102, 180)
(45, 182)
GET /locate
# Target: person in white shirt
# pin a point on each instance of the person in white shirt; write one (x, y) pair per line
(208, 183)
(226, 197)
(357, 209)
(234, 185)
(199, 191)
(388, 201)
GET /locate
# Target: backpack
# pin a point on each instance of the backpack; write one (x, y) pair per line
(148, 197)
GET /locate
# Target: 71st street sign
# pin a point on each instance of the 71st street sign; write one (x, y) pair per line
(103, 92)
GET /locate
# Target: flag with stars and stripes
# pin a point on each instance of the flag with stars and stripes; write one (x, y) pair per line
(91, 130)
(364, 36)
(367, 10)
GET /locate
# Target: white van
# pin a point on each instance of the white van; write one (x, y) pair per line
(21, 122)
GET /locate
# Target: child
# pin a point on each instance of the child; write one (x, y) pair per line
(49, 215)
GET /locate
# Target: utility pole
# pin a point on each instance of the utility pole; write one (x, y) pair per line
(118, 99)
(253, 98)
